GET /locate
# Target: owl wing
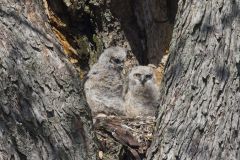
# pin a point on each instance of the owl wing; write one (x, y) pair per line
(125, 88)
(94, 71)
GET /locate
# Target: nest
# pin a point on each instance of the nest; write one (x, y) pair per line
(124, 138)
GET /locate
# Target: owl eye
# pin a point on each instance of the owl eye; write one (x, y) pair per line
(115, 60)
(149, 76)
(137, 75)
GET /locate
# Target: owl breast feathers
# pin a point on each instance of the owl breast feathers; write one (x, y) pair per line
(142, 92)
(104, 84)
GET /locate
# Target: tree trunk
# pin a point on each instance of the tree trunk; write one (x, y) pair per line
(147, 25)
(43, 114)
(199, 112)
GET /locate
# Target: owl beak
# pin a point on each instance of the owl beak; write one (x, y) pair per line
(143, 80)
(120, 67)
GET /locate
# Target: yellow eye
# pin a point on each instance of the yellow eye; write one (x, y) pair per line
(137, 75)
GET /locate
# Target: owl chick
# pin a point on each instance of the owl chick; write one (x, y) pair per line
(104, 84)
(142, 93)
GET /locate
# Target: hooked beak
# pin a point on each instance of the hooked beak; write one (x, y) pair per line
(143, 80)
(120, 67)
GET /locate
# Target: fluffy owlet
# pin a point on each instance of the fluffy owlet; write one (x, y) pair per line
(142, 92)
(104, 84)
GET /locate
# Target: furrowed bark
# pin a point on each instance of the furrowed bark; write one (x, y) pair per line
(199, 113)
(43, 113)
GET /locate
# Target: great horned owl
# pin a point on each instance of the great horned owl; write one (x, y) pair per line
(104, 84)
(142, 92)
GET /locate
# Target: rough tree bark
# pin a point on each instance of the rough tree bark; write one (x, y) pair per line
(144, 27)
(147, 25)
(43, 114)
(199, 112)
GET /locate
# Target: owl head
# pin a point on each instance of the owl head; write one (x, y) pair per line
(113, 57)
(141, 77)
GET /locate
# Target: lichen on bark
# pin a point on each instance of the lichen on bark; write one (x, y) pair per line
(43, 114)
